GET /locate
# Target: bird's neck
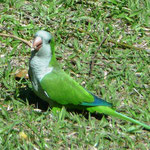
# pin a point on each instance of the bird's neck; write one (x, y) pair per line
(41, 66)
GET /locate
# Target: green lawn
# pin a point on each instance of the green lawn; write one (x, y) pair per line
(115, 36)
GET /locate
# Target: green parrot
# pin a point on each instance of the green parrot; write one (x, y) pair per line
(53, 85)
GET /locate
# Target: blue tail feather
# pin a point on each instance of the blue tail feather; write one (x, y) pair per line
(97, 102)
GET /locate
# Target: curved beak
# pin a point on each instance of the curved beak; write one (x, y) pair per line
(37, 43)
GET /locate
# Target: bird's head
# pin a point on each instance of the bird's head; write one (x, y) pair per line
(43, 43)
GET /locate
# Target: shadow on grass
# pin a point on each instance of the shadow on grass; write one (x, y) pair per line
(26, 94)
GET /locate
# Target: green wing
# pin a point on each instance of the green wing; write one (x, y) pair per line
(63, 89)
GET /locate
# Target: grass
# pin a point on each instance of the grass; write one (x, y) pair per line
(120, 75)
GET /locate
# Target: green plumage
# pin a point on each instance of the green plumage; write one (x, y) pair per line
(109, 111)
(63, 89)
(54, 86)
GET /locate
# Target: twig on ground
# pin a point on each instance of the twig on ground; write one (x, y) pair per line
(15, 37)
(93, 58)
(125, 45)
(120, 44)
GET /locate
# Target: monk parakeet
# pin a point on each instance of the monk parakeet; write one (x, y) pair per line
(53, 85)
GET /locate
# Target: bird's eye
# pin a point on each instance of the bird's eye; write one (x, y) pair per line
(49, 41)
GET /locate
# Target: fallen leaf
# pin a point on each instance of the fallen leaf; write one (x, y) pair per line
(22, 74)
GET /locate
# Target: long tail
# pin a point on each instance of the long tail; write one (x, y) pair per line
(109, 111)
